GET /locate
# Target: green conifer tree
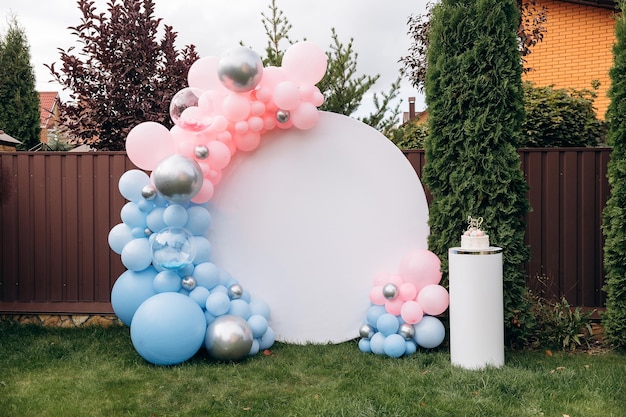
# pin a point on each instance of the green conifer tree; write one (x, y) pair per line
(19, 100)
(614, 215)
(475, 103)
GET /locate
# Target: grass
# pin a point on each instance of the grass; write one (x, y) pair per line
(96, 372)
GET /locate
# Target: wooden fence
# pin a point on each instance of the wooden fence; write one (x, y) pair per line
(56, 210)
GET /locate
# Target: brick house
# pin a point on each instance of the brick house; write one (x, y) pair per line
(48, 113)
(577, 48)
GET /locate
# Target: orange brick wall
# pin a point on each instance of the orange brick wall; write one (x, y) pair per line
(576, 49)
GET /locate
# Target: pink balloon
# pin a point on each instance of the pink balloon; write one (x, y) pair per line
(148, 143)
(203, 74)
(271, 77)
(256, 123)
(241, 127)
(194, 119)
(376, 296)
(305, 116)
(420, 267)
(219, 155)
(382, 278)
(286, 95)
(215, 176)
(407, 291)
(394, 306)
(247, 142)
(305, 63)
(411, 312)
(236, 107)
(257, 108)
(205, 193)
(434, 299)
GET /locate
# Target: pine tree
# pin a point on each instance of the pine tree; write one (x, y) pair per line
(475, 103)
(122, 75)
(19, 100)
(614, 215)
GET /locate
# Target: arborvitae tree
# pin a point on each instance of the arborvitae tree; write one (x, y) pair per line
(475, 103)
(614, 215)
(342, 86)
(122, 75)
(19, 100)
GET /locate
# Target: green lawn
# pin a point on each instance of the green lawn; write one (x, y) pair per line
(96, 372)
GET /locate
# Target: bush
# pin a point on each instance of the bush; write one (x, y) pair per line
(560, 118)
(410, 135)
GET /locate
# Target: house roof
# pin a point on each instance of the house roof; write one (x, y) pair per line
(47, 101)
(607, 4)
(8, 139)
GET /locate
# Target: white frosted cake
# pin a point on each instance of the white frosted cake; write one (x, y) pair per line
(474, 237)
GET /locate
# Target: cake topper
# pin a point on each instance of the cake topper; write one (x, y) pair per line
(474, 223)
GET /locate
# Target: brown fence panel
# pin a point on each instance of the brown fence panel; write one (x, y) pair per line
(56, 210)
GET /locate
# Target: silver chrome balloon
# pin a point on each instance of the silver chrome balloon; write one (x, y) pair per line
(407, 331)
(390, 291)
(189, 283)
(240, 69)
(178, 178)
(282, 116)
(149, 192)
(235, 291)
(201, 152)
(366, 331)
(229, 338)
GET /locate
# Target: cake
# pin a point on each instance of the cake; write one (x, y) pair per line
(474, 237)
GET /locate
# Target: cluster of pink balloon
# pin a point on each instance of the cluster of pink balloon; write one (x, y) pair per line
(403, 306)
(173, 297)
(230, 102)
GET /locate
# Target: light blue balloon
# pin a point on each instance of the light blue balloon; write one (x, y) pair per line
(387, 324)
(168, 328)
(210, 318)
(173, 248)
(137, 255)
(377, 343)
(133, 216)
(130, 290)
(373, 313)
(394, 345)
(240, 308)
(364, 346)
(217, 303)
(119, 236)
(203, 250)
(199, 220)
(260, 307)
(199, 295)
(255, 347)
(258, 324)
(267, 340)
(429, 332)
(411, 347)
(145, 205)
(175, 215)
(131, 183)
(154, 219)
(167, 281)
(207, 275)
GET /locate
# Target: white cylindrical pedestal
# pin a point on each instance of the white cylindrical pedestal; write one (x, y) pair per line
(476, 307)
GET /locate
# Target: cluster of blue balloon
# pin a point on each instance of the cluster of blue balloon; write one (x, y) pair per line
(173, 297)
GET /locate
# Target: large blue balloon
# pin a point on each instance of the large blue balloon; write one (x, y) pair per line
(130, 290)
(168, 328)
(429, 332)
(131, 183)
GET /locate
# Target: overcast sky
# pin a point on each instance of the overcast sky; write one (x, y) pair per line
(379, 29)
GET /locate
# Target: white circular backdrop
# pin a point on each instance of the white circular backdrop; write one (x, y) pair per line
(308, 219)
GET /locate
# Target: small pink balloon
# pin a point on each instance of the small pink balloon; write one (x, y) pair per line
(394, 306)
(236, 107)
(241, 127)
(407, 291)
(305, 116)
(194, 119)
(376, 296)
(271, 77)
(256, 124)
(420, 267)
(247, 142)
(205, 193)
(305, 63)
(148, 143)
(286, 95)
(257, 108)
(219, 155)
(411, 312)
(215, 176)
(434, 299)
(382, 278)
